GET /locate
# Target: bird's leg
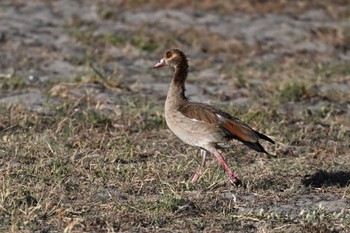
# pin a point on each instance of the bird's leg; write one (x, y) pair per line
(199, 168)
(232, 175)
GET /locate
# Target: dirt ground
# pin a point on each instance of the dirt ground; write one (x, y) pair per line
(84, 146)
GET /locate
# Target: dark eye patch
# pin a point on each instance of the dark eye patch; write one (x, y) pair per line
(168, 54)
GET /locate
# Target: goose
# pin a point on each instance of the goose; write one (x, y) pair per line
(202, 125)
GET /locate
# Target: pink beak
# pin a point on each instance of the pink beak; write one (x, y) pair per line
(161, 63)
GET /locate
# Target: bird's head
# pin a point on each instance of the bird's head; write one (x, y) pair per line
(173, 57)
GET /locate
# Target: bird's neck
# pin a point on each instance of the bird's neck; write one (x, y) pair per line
(176, 93)
(178, 82)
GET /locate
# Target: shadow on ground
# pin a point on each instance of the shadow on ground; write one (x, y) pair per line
(325, 179)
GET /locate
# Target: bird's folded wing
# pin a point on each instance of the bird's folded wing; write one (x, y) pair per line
(231, 126)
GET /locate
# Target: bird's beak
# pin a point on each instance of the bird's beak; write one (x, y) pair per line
(161, 63)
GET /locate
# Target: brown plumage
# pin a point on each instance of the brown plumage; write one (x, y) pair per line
(200, 124)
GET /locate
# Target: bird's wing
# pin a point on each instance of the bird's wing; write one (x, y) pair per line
(231, 126)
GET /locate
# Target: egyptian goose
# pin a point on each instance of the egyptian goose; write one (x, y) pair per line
(199, 124)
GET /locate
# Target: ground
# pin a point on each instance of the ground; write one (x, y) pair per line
(83, 142)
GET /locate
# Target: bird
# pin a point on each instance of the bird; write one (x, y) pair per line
(202, 125)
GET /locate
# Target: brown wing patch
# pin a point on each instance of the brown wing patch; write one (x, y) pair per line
(200, 112)
(240, 130)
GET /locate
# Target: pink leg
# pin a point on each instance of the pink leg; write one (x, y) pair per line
(199, 168)
(232, 175)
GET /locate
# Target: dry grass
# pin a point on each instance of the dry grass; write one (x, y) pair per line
(75, 169)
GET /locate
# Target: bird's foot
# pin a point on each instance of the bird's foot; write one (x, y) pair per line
(234, 180)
